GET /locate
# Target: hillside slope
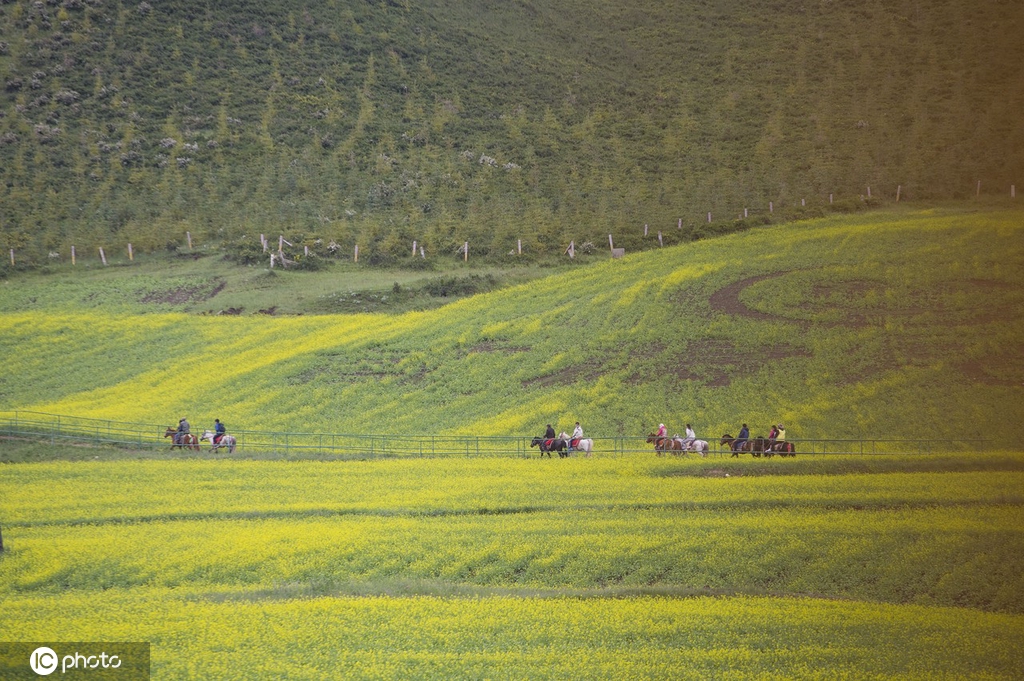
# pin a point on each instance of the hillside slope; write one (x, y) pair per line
(541, 120)
(894, 324)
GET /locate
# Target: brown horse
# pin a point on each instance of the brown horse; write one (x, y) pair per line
(188, 440)
(784, 448)
(664, 444)
(756, 446)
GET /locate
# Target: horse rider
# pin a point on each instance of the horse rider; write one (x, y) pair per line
(689, 439)
(780, 438)
(772, 434)
(577, 435)
(741, 439)
(549, 436)
(183, 430)
(218, 431)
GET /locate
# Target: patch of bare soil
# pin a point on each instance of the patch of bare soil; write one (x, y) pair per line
(588, 371)
(184, 294)
(715, 362)
(727, 299)
(996, 370)
(495, 346)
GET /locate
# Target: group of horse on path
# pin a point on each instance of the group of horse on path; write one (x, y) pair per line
(190, 441)
(758, 446)
(563, 445)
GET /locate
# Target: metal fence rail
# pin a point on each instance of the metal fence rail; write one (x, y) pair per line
(58, 429)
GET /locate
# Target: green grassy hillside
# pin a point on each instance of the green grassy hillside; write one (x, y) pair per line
(894, 324)
(542, 120)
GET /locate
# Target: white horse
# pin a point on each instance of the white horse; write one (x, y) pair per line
(585, 444)
(226, 441)
(699, 446)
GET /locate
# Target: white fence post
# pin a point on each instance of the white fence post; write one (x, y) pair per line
(102, 256)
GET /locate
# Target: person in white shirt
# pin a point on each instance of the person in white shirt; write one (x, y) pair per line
(690, 437)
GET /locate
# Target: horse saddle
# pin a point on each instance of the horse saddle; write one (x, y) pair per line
(574, 442)
(548, 443)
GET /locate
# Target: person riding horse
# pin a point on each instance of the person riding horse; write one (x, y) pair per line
(689, 439)
(218, 431)
(577, 435)
(549, 436)
(741, 440)
(780, 440)
(183, 430)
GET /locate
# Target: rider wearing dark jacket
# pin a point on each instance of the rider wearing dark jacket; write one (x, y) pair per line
(741, 439)
(218, 431)
(549, 434)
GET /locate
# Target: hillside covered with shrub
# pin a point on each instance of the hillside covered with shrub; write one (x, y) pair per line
(890, 324)
(543, 120)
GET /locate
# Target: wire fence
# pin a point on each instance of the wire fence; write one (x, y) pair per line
(66, 430)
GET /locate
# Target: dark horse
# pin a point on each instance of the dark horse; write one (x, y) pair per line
(190, 441)
(555, 446)
(756, 446)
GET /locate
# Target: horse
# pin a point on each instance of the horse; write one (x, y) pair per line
(728, 440)
(784, 448)
(187, 440)
(585, 444)
(557, 445)
(700, 446)
(225, 441)
(756, 446)
(663, 444)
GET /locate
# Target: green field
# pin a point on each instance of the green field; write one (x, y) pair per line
(638, 568)
(905, 323)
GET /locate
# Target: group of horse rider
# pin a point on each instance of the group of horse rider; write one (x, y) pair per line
(219, 431)
(776, 438)
(685, 443)
(573, 441)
